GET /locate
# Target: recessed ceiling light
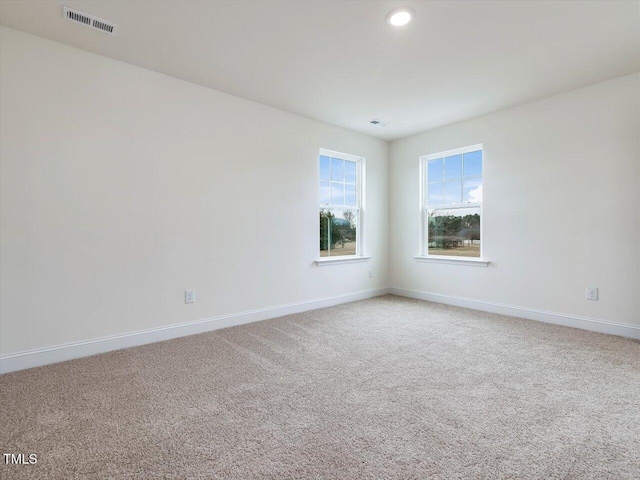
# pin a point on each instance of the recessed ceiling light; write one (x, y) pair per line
(400, 16)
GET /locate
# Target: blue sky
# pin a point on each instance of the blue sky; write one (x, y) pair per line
(455, 179)
(337, 181)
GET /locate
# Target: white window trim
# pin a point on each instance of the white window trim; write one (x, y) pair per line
(474, 262)
(326, 261)
(424, 224)
(360, 255)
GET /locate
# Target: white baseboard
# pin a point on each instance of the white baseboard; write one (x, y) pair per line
(584, 323)
(44, 356)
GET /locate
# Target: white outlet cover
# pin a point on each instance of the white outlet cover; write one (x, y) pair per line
(592, 293)
(189, 296)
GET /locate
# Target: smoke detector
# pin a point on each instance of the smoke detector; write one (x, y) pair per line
(89, 21)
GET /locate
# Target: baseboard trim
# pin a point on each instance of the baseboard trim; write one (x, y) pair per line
(567, 320)
(44, 356)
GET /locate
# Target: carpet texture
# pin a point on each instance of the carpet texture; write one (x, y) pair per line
(383, 388)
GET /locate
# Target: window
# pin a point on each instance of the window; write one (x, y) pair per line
(340, 204)
(452, 203)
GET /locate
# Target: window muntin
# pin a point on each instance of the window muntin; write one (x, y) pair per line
(452, 203)
(340, 187)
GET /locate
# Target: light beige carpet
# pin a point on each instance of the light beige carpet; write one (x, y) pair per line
(383, 388)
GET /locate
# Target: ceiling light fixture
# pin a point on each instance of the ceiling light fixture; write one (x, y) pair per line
(400, 16)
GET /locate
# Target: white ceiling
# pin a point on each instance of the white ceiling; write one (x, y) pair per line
(339, 62)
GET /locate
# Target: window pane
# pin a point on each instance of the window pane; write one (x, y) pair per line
(350, 172)
(337, 170)
(454, 232)
(325, 168)
(473, 163)
(338, 232)
(337, 193)
(453, 192)
(350, 195)
(453, 167)
(325, 192)
(324, 233)
(435, 194)
(434, 170)
(472, 190)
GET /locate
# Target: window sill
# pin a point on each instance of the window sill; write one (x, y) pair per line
(325, 262)
(474, 262)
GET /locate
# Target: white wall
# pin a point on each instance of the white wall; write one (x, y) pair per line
(561, 205)
(122, 187)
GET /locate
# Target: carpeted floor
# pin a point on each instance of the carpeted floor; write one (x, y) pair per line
(383, 388)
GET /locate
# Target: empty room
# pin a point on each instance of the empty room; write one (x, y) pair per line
(319, 239)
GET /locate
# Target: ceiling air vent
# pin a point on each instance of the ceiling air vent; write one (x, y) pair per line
(379, 123)
(89, 21)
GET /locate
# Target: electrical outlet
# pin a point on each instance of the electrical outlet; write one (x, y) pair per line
(189, 296)
(592, 293)
(370, 273)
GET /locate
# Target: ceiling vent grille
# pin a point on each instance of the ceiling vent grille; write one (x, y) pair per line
(89, 21)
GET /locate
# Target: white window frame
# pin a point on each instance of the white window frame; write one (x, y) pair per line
(359, 208)
(425, 207)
